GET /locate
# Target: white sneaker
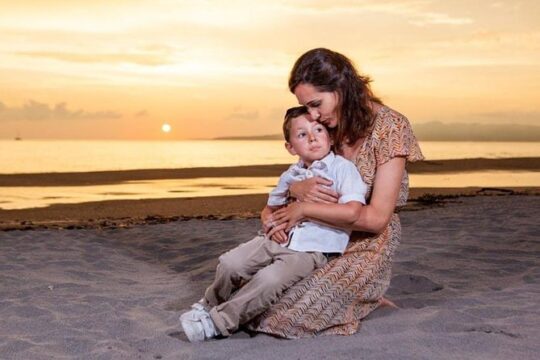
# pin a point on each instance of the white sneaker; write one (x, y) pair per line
(210, 330)
(193, 329)
(194, 314)
(197, 324)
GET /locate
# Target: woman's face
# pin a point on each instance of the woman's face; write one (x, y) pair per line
(322, 106)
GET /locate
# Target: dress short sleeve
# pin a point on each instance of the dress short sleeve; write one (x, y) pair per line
(394, 137)
(349, 183)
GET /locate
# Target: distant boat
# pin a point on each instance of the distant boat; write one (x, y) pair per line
(18, 138)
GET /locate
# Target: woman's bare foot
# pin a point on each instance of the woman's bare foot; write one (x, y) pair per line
(384, 302)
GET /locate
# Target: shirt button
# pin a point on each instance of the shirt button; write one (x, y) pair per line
(309, 174)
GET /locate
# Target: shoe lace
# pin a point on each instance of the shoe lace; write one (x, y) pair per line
(209, 328)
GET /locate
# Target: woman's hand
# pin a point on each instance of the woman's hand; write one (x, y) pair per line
(267, 220)
(286, 218)
(314, 190)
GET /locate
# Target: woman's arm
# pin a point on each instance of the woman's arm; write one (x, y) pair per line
(313, 190)
(370, 218)
(328, 213)
(375, 217)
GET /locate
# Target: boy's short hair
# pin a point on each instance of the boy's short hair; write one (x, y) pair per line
(290, 114)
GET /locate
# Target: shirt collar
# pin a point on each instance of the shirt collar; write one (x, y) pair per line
(325, 162)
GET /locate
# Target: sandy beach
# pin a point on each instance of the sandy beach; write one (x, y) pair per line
(466, 279)
(139, 141)
(108, 279)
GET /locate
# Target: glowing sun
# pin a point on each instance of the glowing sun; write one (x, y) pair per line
(166, 128)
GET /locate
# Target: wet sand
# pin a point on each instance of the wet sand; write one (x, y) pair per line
(114, 177)
(126, 213)
(466, 278)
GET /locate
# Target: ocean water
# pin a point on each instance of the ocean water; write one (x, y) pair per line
(41, 156)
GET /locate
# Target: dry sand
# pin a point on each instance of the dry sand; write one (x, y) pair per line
(467, 279)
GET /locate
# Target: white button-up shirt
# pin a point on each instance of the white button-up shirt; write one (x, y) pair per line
(347, 182)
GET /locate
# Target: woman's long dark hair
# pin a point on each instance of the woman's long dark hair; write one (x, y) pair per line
(329, 71)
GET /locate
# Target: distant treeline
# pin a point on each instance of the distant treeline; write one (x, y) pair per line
(437, 131)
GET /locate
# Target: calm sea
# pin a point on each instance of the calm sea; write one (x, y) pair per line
(33, 156)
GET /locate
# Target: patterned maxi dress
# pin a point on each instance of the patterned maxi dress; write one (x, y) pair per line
(334, 298)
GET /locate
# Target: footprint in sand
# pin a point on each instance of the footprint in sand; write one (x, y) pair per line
(407, 284)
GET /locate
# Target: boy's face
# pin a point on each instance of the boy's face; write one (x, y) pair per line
(308, 139)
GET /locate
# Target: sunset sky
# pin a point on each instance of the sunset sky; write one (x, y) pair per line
(120, 69)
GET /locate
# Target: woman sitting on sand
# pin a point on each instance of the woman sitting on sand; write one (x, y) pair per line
(379, 140)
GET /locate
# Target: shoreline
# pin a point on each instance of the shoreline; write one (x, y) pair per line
(128, 213)
(120, 176)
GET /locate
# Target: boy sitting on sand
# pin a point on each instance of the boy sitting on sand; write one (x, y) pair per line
(250, 277)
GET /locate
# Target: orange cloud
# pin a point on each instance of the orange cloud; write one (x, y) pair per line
(36, 111)
(140, 59)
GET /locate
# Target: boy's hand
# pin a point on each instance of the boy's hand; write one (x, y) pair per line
(279, 236)
(273, 232)
(290, 215)
(277, 233)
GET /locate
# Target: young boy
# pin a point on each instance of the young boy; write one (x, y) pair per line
(250, 277)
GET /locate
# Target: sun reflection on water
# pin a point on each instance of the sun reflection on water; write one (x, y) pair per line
(28, 197)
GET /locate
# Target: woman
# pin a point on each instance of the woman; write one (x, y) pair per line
(333, 299)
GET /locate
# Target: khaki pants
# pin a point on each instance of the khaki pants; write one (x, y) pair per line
(259, 271)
